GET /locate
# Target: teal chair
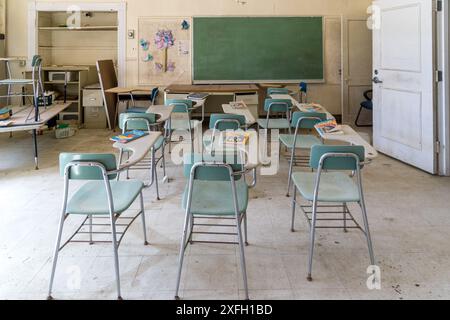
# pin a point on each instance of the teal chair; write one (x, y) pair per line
(152, 97)
(101, 197)
(303, 92)
(215, 191)
(145, 122)
(271, 91)
(276, 107)
(297, 141)
(222, 122)
(331, 184)
(182, 106)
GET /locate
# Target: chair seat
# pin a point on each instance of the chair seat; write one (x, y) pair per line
(91, 198)
(367, 105)
(274, 124)
(214, 198)
(183, 124)
(137, 110)
(334, 186)
(16, 81)
(303, 141)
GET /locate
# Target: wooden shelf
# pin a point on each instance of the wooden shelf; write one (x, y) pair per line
(90, 28)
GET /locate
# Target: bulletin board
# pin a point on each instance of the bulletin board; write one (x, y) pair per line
(164, 51)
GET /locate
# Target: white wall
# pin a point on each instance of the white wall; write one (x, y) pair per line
(17, 17)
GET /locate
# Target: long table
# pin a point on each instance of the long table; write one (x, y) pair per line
(21, 122)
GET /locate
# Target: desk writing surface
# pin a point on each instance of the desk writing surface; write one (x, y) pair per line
(20, 122)
(352, 137)
(249, 118)
(128, 90)
(139, 148)
(212, 88)
(298, 104)
(164, 112)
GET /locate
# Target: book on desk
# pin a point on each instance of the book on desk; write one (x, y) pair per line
(129, 136)
(329, 127)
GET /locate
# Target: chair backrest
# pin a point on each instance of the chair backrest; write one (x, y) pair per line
(108, 80)
(134, 121)
(303, 87)
(222, 126)
(211, 173)
(154, 95)
(180, 105)
(271, 91)
(37, 61)
(277, 105)
(87, 173)
(306, 123)
(368, 95)
(337, 163)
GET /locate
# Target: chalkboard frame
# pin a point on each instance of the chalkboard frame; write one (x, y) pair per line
(274, 81)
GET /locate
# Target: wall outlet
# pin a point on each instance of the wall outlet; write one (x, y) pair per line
(131, 34)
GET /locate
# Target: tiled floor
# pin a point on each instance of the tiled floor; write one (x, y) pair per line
(408, 211)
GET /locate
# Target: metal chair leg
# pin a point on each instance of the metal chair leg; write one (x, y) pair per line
(357, 119)
(291, 166)
(120, 163)
(155, 173)
(116, 256)
(181, 258)
(344, 210)
(245, 229)
(243, 266)
(367, 232)
(294, 204)
(55, 254)
(312, 239)
(143, 219)
(91, 240)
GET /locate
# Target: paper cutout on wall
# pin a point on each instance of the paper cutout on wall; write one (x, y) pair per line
(148, 58)
(183, 47)
(171, 67)
(185, 25)
(145, 45)
(164, 40)
(159, 67)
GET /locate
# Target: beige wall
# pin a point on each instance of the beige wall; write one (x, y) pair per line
(17, 16)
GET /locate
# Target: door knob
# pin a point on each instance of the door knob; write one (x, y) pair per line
(376, 80)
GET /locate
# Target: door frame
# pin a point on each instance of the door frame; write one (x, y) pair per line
(119, 7)
(443, 89)
(345, 65)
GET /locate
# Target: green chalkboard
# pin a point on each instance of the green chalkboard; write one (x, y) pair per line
(257, 49)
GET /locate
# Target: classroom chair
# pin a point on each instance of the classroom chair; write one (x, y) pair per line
(145, 122)
(276, 107)
(35, 82)
(215, 191)
(366, 104)
(182, 106)
(100, 198)
(153, 97)
(331, 184)
(297, 141)
(271, 91)
(222, 122)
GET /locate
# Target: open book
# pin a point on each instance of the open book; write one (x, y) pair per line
(329, 127)
(129, 136)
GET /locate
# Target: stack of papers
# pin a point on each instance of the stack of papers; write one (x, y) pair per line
(239, 138)
(238, 105)
(311, 107)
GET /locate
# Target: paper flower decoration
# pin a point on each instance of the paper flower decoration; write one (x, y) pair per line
(185, 25)
(159, 67)
(171, 67)
(164, 39)
(145, 45)
(148, 58)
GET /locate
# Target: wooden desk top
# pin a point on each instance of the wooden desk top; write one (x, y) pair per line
(352, 137)
(219, 88)
(163, 111)
(13, 59)
(20, 122)
(139, 148)
(128, 90)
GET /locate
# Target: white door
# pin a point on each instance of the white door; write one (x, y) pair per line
(403, 76)
(357, 68)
